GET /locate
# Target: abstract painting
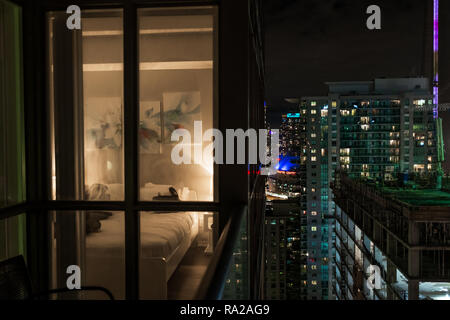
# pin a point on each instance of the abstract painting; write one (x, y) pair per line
(181, 109)
(103, 123)
(150, 130)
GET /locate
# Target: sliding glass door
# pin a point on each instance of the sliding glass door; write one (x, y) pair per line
(121, 224)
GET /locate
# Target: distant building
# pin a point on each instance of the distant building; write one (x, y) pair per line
(282, 250)
(290, 141)
(402, 231)
(375, 129)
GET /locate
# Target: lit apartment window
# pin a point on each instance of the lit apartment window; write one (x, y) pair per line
(314, 229)
(333, 104)
(313, 158)
(313, 150)
(313, 103)
(420, 102)
(345, 160)
(314, 267)
(313, 135)
(313, 111)
(314, 213)
(87, 140)
(314, 282)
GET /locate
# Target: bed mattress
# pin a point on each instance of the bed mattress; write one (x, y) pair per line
(161, 234)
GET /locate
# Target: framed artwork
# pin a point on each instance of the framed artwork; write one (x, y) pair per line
(150, 130)
(181, 109)
(103, 123)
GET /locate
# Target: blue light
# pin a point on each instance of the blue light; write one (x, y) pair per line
(287, 163)
(293, 115)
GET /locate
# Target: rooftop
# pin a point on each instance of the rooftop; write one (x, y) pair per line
(419, 197)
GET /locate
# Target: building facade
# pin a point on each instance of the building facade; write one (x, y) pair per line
(282, 250)
(391, 240)
(375, 129)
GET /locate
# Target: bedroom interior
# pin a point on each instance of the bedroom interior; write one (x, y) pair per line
(87, 179)
(176, 88)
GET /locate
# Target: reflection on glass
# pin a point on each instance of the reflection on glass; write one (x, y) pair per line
(176, 52)
(94, 241)
(176, 248)
(85, 78)
(237, 283)
(13, 237)
(12, 142)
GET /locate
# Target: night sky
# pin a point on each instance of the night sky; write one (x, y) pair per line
(309, 42)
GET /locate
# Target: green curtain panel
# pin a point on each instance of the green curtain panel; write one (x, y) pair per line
(12, 142)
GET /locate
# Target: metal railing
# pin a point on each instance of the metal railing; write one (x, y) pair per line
(213, 282)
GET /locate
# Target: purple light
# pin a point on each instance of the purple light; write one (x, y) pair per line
(435, 58)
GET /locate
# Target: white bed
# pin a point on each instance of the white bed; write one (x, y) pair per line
(165, 238)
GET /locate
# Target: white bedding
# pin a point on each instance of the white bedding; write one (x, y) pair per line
(151, 190)
(161, 234)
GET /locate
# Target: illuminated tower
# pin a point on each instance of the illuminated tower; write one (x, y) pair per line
(440, 141)
(436, 57)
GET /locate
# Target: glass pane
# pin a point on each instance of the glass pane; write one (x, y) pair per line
(12, 142)
(85, 78)
(237, 283)
(176, 248)
(177, 63)
(95, 242)
(13, 237)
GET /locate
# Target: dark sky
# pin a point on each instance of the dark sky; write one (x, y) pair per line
(308, 42)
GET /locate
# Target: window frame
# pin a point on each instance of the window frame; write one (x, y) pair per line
(38, 170)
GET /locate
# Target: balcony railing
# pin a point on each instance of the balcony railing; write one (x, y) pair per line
(220, 273)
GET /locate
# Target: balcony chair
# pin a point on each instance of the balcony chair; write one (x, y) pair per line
(15, 283)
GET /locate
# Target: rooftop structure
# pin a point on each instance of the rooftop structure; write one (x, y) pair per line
(400, 230)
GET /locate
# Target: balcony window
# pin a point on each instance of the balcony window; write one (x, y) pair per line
(85, 95)
(89, 117)
(177, 63)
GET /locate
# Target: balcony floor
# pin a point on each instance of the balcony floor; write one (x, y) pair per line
(186, 279)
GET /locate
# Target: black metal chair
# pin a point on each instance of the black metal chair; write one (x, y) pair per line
(15, 283)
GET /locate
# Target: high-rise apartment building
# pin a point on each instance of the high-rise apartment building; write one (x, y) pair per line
(290, 141)
(392, 239)
(375, 129)
(290, 183)
(282, 250)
